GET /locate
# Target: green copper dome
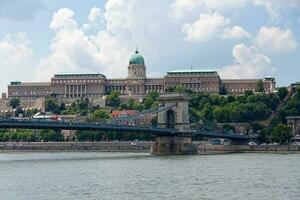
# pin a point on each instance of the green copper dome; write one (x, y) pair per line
(137, 59)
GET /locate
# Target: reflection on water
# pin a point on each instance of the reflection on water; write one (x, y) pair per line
(130, 176)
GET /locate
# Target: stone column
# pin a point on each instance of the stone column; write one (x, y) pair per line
(173, 145)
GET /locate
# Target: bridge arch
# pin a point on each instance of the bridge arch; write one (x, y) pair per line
(177, 116)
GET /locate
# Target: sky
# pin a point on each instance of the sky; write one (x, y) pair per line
(239, 38)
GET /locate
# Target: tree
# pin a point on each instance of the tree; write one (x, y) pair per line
(248, 93)
(223, 90)
(148, 102)
(130, 104)
(99, 115)
(113, 99)
(282, 92)
(229, 127)
(260, 86)
(14, 102)
(52, 106)
(207, 112)
(281, 133)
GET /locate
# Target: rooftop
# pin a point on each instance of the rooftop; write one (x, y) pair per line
(192, 71)
(30, 84)
(78, 74)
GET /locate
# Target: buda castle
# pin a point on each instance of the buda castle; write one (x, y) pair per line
(95, 85)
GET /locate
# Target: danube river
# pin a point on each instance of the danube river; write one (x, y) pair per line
(129, 176)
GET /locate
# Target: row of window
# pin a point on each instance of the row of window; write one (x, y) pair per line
(77, 81)
(192, 73)
(29, 93)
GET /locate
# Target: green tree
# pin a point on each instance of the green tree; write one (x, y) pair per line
(223, 90)
(130, 104)
(100, 114)
(281, 133)
(228, 127)
(52, 106)
(248, 93)
(207, 112)
(260, 86)
(15, 102)
(113, 99)
(282, 92)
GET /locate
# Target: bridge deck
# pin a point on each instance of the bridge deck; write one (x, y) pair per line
(63, 125)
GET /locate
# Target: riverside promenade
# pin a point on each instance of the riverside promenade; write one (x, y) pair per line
(77, 146)
(142, 147)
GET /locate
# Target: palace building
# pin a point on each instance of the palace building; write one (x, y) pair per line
(95, 85)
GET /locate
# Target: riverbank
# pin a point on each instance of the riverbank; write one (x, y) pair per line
(222, 149)
(138, 147)
(77, 146)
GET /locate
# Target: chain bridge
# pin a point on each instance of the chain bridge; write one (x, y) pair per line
(173, 135)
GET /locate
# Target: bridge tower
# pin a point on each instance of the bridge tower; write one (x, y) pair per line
(176, 117)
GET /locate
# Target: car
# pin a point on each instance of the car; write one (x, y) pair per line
(252, 144)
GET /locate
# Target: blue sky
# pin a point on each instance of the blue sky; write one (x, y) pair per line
(239, 38)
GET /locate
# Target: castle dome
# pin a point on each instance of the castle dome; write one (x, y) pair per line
(137, 59)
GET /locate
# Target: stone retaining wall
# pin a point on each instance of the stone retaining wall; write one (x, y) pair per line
(217, 149)
(77, 146)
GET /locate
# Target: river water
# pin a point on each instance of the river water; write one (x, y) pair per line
(129, 176)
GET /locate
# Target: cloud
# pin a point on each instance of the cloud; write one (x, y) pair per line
(14, 49)
(181, 8)
(95, 19)
(71, 50)
(15, 58)
(248, 63)
(205, 28)
(127, 23)
(274, 7)
(20, 9)
(211, 25)
(275, 40)
(234, 32)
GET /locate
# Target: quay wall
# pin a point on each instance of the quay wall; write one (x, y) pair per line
(77, 146)
(219, 149)
(143, 147)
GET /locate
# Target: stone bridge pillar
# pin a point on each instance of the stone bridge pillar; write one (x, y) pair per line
(175, 116)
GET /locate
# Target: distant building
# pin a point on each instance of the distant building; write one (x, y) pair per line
(294, 123)
(94, 85)
(74, 85)
(239, 86)
(32, 90)
(123, 113)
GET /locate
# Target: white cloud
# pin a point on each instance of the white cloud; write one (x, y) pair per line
(15, 58)
(63, 20)
(71, 50)
(274, 7)
(127, 23)
(234, 32)
(248, 63)
(275, 40)
(205, 28)
(14, 49)
(181, 8)
(95, 19)
(271, 6)
(223, 4)
(211, 25)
